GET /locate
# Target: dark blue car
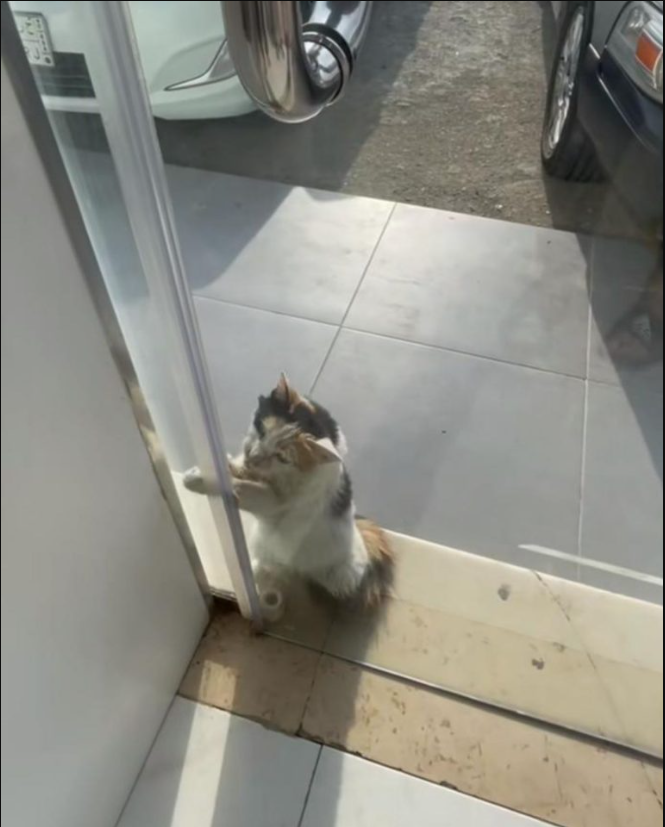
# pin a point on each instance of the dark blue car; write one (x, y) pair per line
(605, 102)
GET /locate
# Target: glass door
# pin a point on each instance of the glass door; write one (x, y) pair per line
(83, 60)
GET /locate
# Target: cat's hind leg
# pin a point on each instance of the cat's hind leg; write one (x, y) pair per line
(271, 584)
(343, 581)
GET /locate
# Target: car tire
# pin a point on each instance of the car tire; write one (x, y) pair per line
(566, 151)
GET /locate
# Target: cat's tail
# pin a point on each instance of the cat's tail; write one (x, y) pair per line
(378, 581)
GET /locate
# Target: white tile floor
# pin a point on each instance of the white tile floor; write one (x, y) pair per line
(210, 769)
(350, 792)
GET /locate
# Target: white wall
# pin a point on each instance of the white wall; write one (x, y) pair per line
(100, 611)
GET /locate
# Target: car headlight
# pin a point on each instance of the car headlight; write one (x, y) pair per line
(637, 44)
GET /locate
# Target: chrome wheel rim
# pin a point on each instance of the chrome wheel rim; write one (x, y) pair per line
(564, 83)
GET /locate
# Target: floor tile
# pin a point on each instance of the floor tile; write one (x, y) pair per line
(477, 588)
(351, 792)
(248, 349)
(611, 626)
(506, 636)
(530, 769)
(495, 289)
(616, 263)
(273, 246)
(622, 519)
(210, 769)
(467, 452)
(548, 681)
(257, 677)
(548, 608)
(609, 306)
(637, 695)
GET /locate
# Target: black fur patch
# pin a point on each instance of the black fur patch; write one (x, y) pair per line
(314, 420)
(344, 496)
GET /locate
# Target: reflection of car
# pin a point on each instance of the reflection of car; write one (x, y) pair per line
(183, 51)
(605, 101)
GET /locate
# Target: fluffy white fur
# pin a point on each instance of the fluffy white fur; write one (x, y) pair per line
(296, 529)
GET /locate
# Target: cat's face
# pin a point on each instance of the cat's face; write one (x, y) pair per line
(289, 434)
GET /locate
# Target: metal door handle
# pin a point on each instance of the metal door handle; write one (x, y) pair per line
(291, 68)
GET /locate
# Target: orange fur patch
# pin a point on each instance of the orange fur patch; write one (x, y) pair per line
(288, 394)
(307, 457)
(240, 472)
(382, 562)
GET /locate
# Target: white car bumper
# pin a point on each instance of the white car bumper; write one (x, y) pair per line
(178, 43)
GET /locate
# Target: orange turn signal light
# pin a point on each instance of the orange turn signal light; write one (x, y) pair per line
(649, 53)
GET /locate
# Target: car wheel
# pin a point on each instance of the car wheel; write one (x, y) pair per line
(566, 150)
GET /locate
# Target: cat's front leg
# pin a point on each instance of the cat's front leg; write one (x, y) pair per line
(237, 467)
(194, 481)
(256, 497)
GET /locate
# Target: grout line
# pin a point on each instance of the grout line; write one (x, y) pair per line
(411, 342)
(468, 353)
(606, 383)
(610, 699)
(448, 788)
(267, 310)
(389, 337)
(583, 473)
(325, 361)
(315, 676)
(585, 419)
(601, 382)
(369, 263)
(353, 298)
(311, 787)
(491, 707)
(149, 753)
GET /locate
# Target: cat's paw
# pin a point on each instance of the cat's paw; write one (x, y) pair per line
(235, 466)
(193, 481)
(242, 489)
(252, 496)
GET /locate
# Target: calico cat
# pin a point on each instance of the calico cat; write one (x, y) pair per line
(291, 477)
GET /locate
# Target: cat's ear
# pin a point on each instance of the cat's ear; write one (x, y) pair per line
(320, 451)
(286, 394)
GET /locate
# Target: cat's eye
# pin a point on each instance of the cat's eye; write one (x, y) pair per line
(282, 458)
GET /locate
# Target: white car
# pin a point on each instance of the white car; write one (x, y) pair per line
(183, 50)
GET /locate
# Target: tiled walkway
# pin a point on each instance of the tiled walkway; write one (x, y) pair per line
(464, 358)
(211, 769)
(214, 766)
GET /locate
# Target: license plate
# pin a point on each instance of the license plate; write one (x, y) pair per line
(34, 35)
